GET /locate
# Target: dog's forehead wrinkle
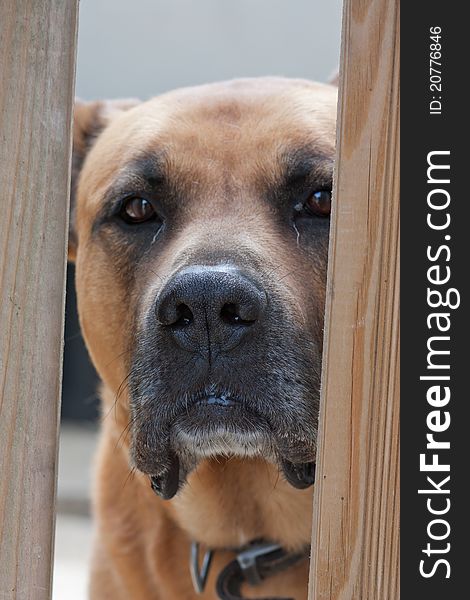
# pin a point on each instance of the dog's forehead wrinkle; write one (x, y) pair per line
(305, 160)
(140, 174)
(149, 166)
(212, 121)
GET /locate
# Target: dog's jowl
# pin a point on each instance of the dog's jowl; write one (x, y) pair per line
(199, 228)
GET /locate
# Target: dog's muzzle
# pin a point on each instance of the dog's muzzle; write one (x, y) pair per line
(216, 375)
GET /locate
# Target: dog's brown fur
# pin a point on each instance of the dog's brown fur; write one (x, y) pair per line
(219, 137)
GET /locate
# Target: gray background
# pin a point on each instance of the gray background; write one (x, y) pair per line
(141, 48)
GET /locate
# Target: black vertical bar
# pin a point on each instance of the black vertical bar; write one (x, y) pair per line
(435, 290)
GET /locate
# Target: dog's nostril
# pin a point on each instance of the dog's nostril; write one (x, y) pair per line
(230, 314)
(184, 316)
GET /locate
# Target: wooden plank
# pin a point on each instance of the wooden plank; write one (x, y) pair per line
(355, 552)
(37, 71)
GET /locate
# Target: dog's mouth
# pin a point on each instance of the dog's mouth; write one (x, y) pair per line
(221, 424)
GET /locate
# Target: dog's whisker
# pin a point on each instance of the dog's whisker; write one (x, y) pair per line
(125, 431)
(152, 271)
(122, 386)
(120, 355)
(72, 337)
(130, 475)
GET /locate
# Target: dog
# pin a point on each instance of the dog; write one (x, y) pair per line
(199, 230)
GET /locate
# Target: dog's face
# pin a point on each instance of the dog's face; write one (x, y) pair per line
(200, 230)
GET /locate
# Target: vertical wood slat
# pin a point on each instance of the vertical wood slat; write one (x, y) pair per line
(37, 72)
(355, 547)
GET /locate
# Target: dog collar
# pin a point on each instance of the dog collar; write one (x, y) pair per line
(253, 563)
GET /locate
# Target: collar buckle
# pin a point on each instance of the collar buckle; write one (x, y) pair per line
(248, 560)
(199, 574)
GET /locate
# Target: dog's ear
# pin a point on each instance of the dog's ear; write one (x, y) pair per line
(334, 79)
(89, 120)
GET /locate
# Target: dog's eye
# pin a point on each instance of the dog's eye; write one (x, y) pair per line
(318, 204)
(137, 210)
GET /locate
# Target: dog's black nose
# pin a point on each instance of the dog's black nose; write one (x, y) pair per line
(210, 307)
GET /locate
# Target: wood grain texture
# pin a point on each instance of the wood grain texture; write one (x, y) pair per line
(355, 547)
(37, 71)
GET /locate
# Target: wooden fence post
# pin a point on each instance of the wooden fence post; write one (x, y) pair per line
(37, 71)
(355, 541)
